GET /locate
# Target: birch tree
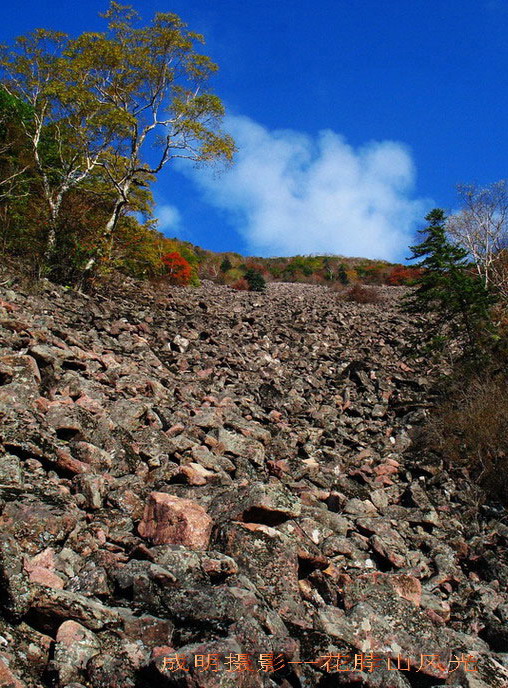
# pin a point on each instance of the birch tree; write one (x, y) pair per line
(64, 132)
(150, 84)
(481, 228)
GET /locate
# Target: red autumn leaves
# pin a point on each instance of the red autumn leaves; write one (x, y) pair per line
(178, 270)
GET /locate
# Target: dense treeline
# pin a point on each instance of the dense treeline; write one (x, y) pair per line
(232, 268)
(86, 124)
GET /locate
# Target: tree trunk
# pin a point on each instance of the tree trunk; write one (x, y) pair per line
(49, 251)
(106, 245)
(54, 211)
(111, 225)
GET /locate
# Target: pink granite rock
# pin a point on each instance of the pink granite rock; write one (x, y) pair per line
(7, 678)
(171, 520)
(407, 587)
(46, 577)
(75, 646)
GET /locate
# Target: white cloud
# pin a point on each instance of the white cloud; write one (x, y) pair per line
(169, 218)
(289, 193)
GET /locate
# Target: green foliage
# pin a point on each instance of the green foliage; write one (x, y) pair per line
(255, 280)
(301, 267)
(448, 288)
(58, 128)
(101, 114)
(15, 160)
(151, 85)
(226, 265)
(233, 275)
(342, 274)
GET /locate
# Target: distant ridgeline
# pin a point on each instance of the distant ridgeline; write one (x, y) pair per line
(184, 263)
(235, 269)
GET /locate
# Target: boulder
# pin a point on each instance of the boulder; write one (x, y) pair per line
(168, 519)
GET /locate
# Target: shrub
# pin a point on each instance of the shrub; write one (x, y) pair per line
(241, 284)
(342, 274)
(316, 278)
(401, 275)
(470, 430)
(337, 287)
(226, 265)
(362, 294)
(178, 270)
(374, 274)
(232, 276)
(254, 264)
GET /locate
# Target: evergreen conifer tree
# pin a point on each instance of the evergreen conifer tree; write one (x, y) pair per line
(226, 265)
(342, 274)
(255, 279)
(448, 287)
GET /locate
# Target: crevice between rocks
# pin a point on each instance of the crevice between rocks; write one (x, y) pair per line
(266, 517)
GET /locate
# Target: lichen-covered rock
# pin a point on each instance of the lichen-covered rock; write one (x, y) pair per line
(36, 524)
(75, 645)
(270, 560)
(16, 590)
(20, 378)
(7, 678)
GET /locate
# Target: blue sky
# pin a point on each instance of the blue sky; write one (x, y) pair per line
(353, 117)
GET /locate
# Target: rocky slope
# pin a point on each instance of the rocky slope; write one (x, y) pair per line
(207, 488)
